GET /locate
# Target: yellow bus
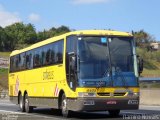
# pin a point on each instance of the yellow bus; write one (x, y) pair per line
(87, 70)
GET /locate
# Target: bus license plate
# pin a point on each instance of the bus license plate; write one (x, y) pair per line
(111, 102)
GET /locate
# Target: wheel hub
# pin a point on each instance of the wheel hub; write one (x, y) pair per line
(64, 105)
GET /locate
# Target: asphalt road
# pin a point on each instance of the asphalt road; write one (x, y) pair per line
(9, 111)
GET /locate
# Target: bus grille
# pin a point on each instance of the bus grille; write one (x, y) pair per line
(104, 94)
(119, 94)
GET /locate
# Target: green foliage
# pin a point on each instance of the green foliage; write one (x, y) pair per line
(143, 39)
(149, 65)
(20, 35)
(5, 54)
(143, 85)
(3, 71)
(149, 85)
(151, 62)
(155, 85)
(52, 32)
(144, 50)
(3, 39)
(3, 78)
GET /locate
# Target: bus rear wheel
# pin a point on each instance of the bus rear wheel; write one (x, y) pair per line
(21, 103)
(114, 113)
(64, 109)
(28, 108)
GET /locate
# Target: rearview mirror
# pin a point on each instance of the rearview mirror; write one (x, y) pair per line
(140, 64)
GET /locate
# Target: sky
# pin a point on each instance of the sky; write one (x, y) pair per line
(122, 15)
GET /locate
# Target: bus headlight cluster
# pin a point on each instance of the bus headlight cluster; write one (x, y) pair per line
(133, 94)
(136, 94)
(86, 94)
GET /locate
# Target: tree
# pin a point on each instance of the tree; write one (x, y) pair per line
(143, 39)
(20, 34)
(52, 32)
(42, 36)
(30, 33)
(3, 37)
(62, 29)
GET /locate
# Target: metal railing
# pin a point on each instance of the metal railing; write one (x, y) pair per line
(149, 79)
(3, 94)
(4, 63)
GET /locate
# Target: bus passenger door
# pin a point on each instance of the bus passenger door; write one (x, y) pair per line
(71, 68)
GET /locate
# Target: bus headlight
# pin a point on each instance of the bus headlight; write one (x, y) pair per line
(133, 94)
(137, 94)
(86, 94)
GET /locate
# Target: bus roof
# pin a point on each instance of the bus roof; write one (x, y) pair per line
(81, 32)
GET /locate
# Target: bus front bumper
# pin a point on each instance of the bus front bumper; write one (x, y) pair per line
(103, 104)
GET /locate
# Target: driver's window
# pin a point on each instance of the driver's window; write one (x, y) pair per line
(71, 49)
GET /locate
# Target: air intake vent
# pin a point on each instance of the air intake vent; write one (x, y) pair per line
(104, 94)
(119, 94)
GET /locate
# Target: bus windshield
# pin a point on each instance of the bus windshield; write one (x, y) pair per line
(106, 61)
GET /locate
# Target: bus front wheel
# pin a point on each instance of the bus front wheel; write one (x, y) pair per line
(28, 108)
(114, 113)
(65, 111)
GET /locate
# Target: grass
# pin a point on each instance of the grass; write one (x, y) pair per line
(155, 85)
(150, 73)
(5, 54)
(150, 85)
(151, 69)
(3, 78)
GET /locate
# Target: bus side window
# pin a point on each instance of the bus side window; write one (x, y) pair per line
(37, 58)
(48, 54)
(52, 59)
(21, 61)
(43, 55)
(11, 64)
(57, 52)
(60, 52)
(29, 60)
(16, 62)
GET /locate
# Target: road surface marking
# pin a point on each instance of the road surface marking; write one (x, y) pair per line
(11, 112)
(7, 104)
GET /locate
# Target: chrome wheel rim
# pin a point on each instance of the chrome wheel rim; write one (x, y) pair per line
(64, 106)
(26, 104)
(21, 103)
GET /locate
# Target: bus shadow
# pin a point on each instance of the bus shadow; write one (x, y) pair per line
(75, 115)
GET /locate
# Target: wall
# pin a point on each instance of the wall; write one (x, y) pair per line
(150, 96)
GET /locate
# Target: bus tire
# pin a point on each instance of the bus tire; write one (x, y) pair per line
(64, 109)
(21, 103)
(114, 113)
(28, 108)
